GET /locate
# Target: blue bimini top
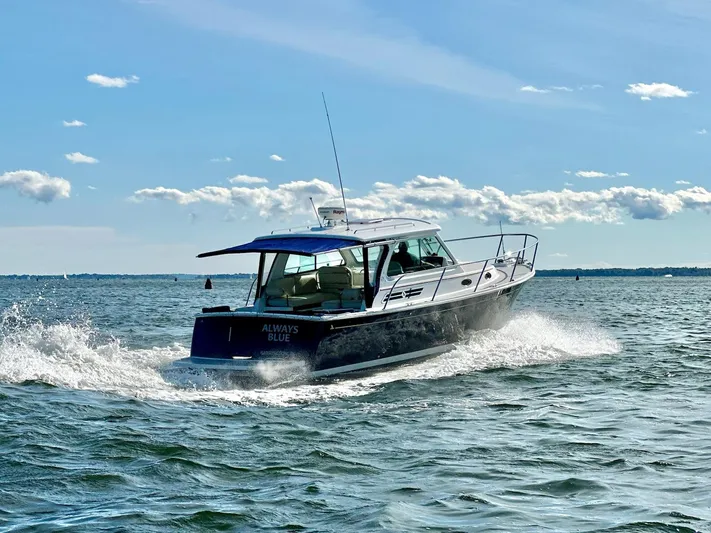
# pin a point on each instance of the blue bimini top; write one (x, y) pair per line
(292, 245)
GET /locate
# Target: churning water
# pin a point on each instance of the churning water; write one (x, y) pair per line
(589, 411)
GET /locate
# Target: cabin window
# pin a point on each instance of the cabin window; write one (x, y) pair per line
(329, 259)
(299, 263)
(433, 247)
(374, 253)
(296, 264)
(414, 255)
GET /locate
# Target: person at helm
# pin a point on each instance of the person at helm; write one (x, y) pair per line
(405, 258)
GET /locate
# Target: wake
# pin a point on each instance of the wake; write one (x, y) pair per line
(76, 356)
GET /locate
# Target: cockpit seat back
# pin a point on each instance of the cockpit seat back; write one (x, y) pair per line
(334, 278)
(293, 291)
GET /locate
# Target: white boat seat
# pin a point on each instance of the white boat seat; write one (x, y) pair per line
(358, 277)
(334, 278)
(294, 291)
(295, 302)
(343, 304)
(347, 299)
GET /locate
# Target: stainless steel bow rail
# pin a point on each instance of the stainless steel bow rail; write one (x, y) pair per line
(498, 258)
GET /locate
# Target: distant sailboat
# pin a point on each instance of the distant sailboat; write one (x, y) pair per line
(668, 276)
(65, 276)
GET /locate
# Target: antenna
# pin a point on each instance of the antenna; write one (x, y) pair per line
(335, 154)
(501, 230)
(315, 212)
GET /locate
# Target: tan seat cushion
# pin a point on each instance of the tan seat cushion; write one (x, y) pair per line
(305, 284)
(358, 277)
(294, 291)
(334, 278)
(280, 287)
(296, 302)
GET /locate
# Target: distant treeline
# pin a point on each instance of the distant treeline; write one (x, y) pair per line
(241, 275)
(626, 272)
(561, 272)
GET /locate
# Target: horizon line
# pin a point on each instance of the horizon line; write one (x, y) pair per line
(238, 274)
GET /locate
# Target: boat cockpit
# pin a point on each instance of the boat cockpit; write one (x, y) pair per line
(341, 279)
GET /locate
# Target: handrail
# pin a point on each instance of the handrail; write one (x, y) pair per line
(387, 299)
(481, 274)
(246, 302)
(289, 230)
(513, 270)
(492, 235)
(404, 221)
(519, 260)
(389, 226)
(438, 283)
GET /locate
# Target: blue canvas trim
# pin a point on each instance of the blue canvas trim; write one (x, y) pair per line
(293, 245)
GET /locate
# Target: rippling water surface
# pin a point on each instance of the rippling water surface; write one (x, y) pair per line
(589, 411)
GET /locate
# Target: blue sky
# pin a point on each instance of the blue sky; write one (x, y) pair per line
(138, 133)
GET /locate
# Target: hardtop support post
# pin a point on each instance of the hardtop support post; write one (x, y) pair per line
(260, 273)
(366, 279)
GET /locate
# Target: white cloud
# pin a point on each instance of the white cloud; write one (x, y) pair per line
(91, 187)
(221, 159)
(78, 157)
(548, 228)
(286, 199)
(559, 88)
(37, 185)
(443, 197)
(591, 174)
(105, 81)
(597, 174)
(568, 172)
(647, 91)
(241, 178)
(568, 184)
(682, 182)
(275, 157)
(701, 131)
(73, 124)
(532, 89)
(558, 254)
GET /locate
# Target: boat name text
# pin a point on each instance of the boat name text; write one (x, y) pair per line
(280, 332)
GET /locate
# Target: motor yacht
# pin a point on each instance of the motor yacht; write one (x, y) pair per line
(348, 296)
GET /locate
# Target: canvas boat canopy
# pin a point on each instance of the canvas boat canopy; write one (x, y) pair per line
(291, 245)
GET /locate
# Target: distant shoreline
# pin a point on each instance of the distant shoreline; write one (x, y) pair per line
(546, 273)
(642, 272)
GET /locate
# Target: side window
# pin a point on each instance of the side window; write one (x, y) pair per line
(434, 253)
(413, 255)
(298, 263)
(329, 259)
(405, 258)
(357, 254)
(374, 254)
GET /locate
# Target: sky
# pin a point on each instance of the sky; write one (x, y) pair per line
(135, 134)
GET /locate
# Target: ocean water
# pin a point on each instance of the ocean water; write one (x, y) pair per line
(589, 411)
